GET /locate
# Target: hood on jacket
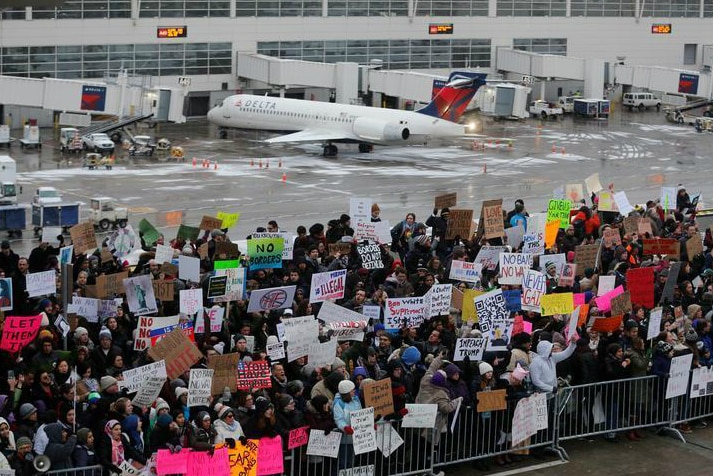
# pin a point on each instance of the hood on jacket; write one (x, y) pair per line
(544, 349)
(54, 432)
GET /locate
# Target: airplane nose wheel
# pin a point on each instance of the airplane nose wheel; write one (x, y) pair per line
(223, 134)
(330, 150)
(365, 148)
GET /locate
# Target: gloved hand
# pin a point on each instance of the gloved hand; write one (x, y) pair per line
(327, 431)
(243, 440)
(403, 412)
(435, 212)
(230, 442)
(348, 430)
(177, 449)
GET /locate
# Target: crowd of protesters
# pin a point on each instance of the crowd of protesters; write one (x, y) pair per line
(62, 396)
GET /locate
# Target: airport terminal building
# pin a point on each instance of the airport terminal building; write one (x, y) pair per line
(169, 39)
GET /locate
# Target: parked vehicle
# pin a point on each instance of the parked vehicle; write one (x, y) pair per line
(641, 101)
(98, 142)
(566, 103)
(46, 195)
(5, 138)
(31, 135)
(13, 219)
(58, 214)
(70, 140)
(104, 213)
(544, 109)
(591, 107)
(94, 160)
(8, 180)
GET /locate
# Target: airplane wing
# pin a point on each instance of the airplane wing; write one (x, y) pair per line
(312, 135)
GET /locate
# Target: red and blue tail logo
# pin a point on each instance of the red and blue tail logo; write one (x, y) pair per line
(450, 102)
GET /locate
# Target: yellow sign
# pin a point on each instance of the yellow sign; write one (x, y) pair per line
(562, 303)
(551, 229)
(469, 314)
(229, 219)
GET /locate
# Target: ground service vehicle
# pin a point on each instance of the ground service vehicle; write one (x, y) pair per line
(641, 101)
(544, 109)
(95, 161)
(104, 213)
(58, 214)
(46, 195)
(566, 103)
(98, 142)
(8, 180)
(69, 139)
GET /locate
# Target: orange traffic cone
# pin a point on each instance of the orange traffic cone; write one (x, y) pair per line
(284, 177)
(194, 162)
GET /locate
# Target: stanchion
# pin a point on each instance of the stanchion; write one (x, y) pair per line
(284, 177)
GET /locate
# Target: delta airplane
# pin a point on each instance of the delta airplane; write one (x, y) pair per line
(331, 123)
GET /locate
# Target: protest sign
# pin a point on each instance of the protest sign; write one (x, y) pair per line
(18, 331)
(209, 223)
(275, 351)
(168, 462)
(677, 383)
(572, 323)
(661, 246)
(574, 192)
(388, 440)
(524, 421)
(364, 437)
(558, 210)
(514, 236)
(163, 289)
(606, 284)
(604, 301)
(533, 242)
(139, 295)
(190, 300)
(645, 227)
(668, 290)
(287, 242)
(243, 458)
(490, 307)
(513, 267)
(585, 256)
(217, 286)
(323, 445)
(367, 470)
(271, 298)
(371, 312)
(143, 333)
(229, 220)
(199, 384)
(149, 391)
(447, 200)
(566, 278)
(327, 286)
(359, 207)
(85, 307)
(694, 246)
(83, 237)
(265, 252)
(465, 271)
(471, 347)
(370, 254)
(300, 332)
(225, 368)
(420, 415)
(322, 354)
(621, 304)
(551, 230)
(234, 284)
(491, 219)
(344, 331)
(540, 401)
(701, 382)
(611, 237)
(593, 184)
(42, 283)
(298, 437)
(65, 254)
(668, 197)
(631, 225)
(490, 401)
(133, 378)
(50, 235)
(457, 298)
(187, 233)
(460, 224)
(365, 229)
(215, 315)
(606, 324)
(178, 352)
(149, 232)
(622, 203)
(489, 256)
(561, 303)
(534, 286)
(378, 395)
(189, 268)
(513, 299)
(654, 328)
(469, 313)
(606, 201)
(164, 254)
(253, 375)
(228, 250)
(269, 456)
(128, 469)
(438, 299)
(406, 311)
(330, 312)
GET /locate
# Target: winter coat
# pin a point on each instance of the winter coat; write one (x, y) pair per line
(342, 415)
(319, 420)
(430, 393)
(542, 369)
(225, 431)
(59, 453)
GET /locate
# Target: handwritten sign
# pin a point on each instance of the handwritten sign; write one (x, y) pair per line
(224, 369)
(243, 458)
(269, 456)
(178, 352)
(83, 237)
(446, 201)
(210, 223)
(585, 256)
(406, 311)
(190, 300)
(253, 375)
(378, 395)
(465, 271)
(265, 252)
(460, 224)
(678, 381)
(561, 303)
(271, 298)
(513, 267)
(199, 383)
(491, 218)
(298, 437)
(323, 445)
(42, 283)
(420, 415)
(327, 286)
(134, 378)
(558, 210)
(370, 255)
(228, 220)
(662, 246)
(364, 437)
(471, 347)
(163, 289)
(534, 286)
(18, 331)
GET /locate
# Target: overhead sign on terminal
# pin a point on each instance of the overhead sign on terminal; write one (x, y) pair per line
(440, 29)
(172, 32)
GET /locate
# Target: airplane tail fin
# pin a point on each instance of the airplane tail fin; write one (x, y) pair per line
(450, 102)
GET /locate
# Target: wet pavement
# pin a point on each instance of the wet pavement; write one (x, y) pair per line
(638, 152)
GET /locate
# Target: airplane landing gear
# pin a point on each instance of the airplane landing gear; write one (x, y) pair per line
(223, 134)
(330, 150)
(366, 148)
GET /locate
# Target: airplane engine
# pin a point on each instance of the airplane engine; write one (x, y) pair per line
(378, 131)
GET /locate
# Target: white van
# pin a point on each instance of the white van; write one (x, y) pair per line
(566, 103)
(641, 101)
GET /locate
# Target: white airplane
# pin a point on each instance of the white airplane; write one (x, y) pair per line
(331, 123)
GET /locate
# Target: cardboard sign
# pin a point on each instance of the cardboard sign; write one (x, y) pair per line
(552, 304)
(465, 271)
(178, 352)
(140, 296)
(83, 237)
(491, 401)
(19, 331)
(253, 375)
(446, 201)
(227, 250)
(694, 246)
(370, 255)
(224, 369)
(327, 286)
(662, 246)
(41, 284)
(210, 223)
(163, 289)
(585, 256)
(491, 217)
(298, 437)
(378, 395)
(558, 210)
(513, 267)
(677, 383)
(110, 285)
(471, 347)
(199, 387)
(645, 227)
(631, 225)
(621, 304)
(612, 237)
(460, 223)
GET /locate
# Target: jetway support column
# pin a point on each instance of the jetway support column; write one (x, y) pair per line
(346, 83)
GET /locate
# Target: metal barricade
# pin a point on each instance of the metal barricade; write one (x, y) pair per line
(611, 407)
(479, 435)
(697, 403)
(83, 471)
(413, 455)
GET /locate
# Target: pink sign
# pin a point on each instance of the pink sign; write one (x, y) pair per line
(604, 301)
(172, 463)
(298, 437)
(18, 331)
(269, 456)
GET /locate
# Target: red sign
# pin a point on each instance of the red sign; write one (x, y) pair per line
(172, 32)
(662, 246)
(640, 284)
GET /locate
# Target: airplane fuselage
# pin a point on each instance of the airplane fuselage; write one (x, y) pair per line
(355, 123)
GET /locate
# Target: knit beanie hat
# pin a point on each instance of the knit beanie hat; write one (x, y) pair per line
(439, 378)
(180, 391)
(410, 356)
(27, 409)
(484, 368)
(105, 333)
(346, 386)
(164, 420)
(106, 382)
(451, 370)
(23, 441)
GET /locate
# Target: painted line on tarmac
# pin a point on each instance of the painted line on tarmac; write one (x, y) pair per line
(527, 469)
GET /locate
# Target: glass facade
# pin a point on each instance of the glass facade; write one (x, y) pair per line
(543, 46)
(395, 54)
(94, 61)
(532, 8)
